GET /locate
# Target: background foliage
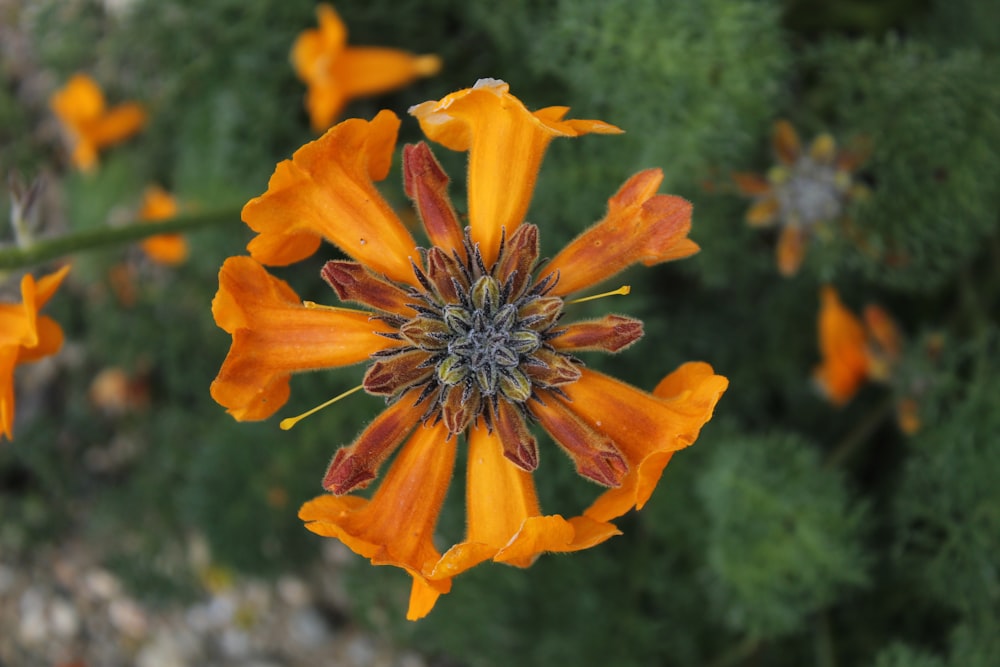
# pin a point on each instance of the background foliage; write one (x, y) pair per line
(793, 533)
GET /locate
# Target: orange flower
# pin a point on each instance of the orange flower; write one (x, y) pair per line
(171, 249)
(855, 351)
(462, 339)
(88, 124)
(804, 192)
(336, 73)
(26, 336)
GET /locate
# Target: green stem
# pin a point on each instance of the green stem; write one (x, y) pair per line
(91, 239)
(859, 434)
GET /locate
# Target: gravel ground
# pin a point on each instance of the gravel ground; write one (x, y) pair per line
(64, 610)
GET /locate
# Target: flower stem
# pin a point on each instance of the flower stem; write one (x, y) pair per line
(91, 239)
(859, 434)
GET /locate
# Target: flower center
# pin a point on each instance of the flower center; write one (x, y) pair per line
(812, 193)
(480, 336)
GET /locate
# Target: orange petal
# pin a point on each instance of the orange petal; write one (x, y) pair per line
(364, 71)
(791, 249)
(647, 428)
(764, 212)
(786, 142)
(751, 184)
(326, 191)
(157, 204)
(356, 465)
(8, 360)
(275, 335)
(18, 321)
(25, 336)
(503, 517)
(396, 527)
(593, 453)
(80, 99)
(506, 143)
(842, 344)
(118, 124)
(640, 226)
(315, 48)
(883, 332)
(169, 249)
(49, 340)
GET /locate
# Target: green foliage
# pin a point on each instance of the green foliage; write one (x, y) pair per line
(784, 536)
(949, 533)
(933, 124)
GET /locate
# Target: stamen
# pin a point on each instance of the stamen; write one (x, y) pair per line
(319, 306)
(286, 424)
(623, 290)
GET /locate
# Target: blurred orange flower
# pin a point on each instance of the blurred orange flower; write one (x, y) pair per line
(855, 351)
(26, 336)
(336, 73)
(169, 249)
(462, 339)
(803, 193)
(88, 124)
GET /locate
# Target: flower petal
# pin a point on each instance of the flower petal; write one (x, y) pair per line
(8, 360)
(426, 183)
(640, 226)
(791, 249)
(25, 337)
(275, 335)
(785, 141)
(842, 344)
(326, 191)
(611, 333)
(503, 517)
(49, 340)
(763, 212)
(316, 47)
(118, 124)
(506, 143)
(368, 70)
(751, 184)
(647, 428)
(396, 527)
(357, 464)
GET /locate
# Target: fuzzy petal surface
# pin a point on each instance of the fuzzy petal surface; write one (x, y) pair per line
(640, 226)
(275, 335)
(647, 428)
(327, 191)
(396, 527)
(506, 143)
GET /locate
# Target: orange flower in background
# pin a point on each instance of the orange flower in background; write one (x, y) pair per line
(170, 249)
(804, 193)
(856, 350)
(336, 73)
(88, 124)
(26, 336)
(465, 340)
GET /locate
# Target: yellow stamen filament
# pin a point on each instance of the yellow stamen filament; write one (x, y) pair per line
(320, 306)
(623, 290)
(286, 424)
